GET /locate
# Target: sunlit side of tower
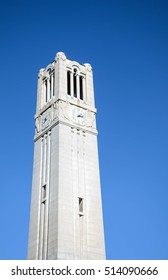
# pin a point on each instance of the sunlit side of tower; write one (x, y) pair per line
(66, 212)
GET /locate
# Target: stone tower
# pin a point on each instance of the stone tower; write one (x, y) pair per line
(66, 212)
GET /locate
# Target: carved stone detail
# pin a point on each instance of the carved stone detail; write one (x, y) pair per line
(37, 125)
(55, 110)
(91, 119)
(60, 55)
(65, 110)
(40, 74)
(77, 115)
(88, 67)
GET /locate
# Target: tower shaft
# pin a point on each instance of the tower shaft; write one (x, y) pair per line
(66, 212)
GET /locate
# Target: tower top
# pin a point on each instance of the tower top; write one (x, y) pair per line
(63, 57)
(65, 93)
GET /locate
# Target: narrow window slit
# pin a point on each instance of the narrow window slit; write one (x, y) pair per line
(50, 86)
(81, 87)
(43, 196)
(69, 83)
(80, 205)
(75, 83)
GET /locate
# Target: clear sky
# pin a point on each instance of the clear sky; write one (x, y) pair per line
(126, 42)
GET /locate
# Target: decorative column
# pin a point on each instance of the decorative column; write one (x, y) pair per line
(89, 85)
(77, 86)
(48, 89)
(84, 89)
(71, 83)
(62, 86)
(39, 90)
(51, 89)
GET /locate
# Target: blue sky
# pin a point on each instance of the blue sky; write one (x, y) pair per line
(126, 43)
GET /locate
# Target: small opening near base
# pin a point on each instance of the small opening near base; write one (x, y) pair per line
(81, 205)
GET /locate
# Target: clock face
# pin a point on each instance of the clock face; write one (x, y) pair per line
(45, 121)
(79, 116)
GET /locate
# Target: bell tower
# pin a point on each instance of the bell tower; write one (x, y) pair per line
(66, 220)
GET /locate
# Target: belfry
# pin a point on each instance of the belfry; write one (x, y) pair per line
(66, 220)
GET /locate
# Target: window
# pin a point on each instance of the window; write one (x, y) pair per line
(81, 87)
(75, 83)
(75, 86)
(68, 83)
(80, 205)
(43, 193)
(50, 86)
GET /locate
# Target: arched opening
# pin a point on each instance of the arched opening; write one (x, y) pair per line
(81, 87)
(69, 83)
